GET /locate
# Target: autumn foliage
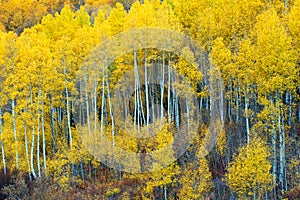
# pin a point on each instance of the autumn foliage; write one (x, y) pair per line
(254, 45)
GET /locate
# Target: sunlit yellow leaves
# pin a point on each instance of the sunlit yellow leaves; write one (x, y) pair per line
(253, 45)
(276, 62)
(161, 178)
(245, 62)
(220, 54)
(221, 58)
(207, 20)
(151, 14)
(190, 72)
(116, 20)
(18, 14)
(294, 22)
(250, 174)
(195, 180)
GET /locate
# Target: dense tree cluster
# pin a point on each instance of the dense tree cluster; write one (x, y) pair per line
(253, 44)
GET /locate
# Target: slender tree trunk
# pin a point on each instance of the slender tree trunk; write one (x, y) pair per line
(38, 137)
(87, 103)
(247, 115)
(103, 100)
(125, 106)
(95, 104)
(281, 144)
(52, 112)
(283, 155)
(146, 89)
(285, 3)
(142, 118)
(2, 145)
(44, 140)
(169, 88)
(69, 117)
(110, 112)
(290, 103)
(15, 131)
(274, 143)
(32, 139)
(221, 104)
(165, 192)
(237, 104)
(26, 141)
(32, 154)
(188, 115)
(162, 85)
(153, 109)
(137, 92)
(230, 104)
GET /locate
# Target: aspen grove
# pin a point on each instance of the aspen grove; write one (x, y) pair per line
(253, 46)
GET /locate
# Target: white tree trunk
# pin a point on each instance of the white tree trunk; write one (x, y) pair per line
(237, 104)
(69, 117)
(2, 145)
(274, 163)
(38, 137)
(87, 103)
(146, 89)
(110, 113)
(102, 100)
(15, 130)
(26, 141)
(221, 105)
(169, 89)
(162, 85)
(281, 144)
(44, 140)
(32, 141)
(136, 92)
(230, 104)
(247, 115)
(95, 104)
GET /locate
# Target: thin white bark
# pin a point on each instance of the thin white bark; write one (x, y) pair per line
(274, 163)
(169, 90)
(290, 107)
(125, 106)
(188, 115)
(237, 104)
(69, 116)
(146, 88)
(52, 111)
(283, 155)
(26, 141)
(38, 137)
(110, 112)
(136, 91)
(95, 104)
(32, 140)
(2, 145)
(15, 131)
(162, 85)
(281, 144)
(44, 140)
(87, 103)
(153, 109)
(230, 104)
(247, 116)
(103, 100)
(221, 105)
(165, 192)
